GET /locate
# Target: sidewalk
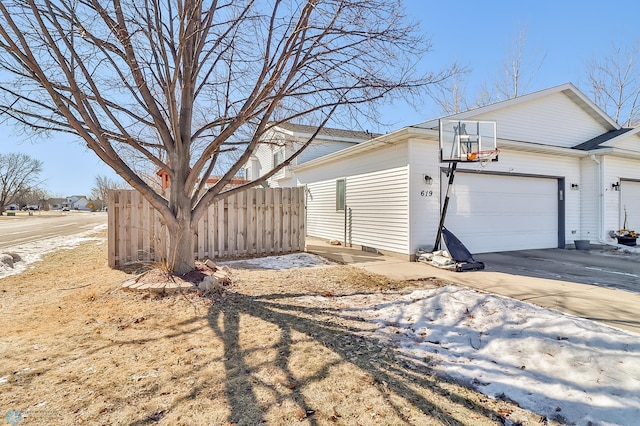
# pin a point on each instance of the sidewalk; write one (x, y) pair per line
(613, 307)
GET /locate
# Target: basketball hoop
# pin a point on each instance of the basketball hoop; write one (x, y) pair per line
(483, 157)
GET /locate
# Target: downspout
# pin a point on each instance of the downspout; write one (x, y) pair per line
(601, 238)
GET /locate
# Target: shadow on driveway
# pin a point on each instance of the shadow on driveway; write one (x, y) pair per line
(604, 267)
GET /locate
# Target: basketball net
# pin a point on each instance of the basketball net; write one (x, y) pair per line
(483, 157)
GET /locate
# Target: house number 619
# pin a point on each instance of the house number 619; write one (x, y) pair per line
(426, 193)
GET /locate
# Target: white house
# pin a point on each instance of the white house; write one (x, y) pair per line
(78, 202)
(566, 171)
(285, 139)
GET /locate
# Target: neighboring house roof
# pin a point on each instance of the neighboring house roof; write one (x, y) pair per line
(599, 140)
(326, 131)
(212, 180)
(567, 89)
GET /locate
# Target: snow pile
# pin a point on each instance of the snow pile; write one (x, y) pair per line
(288, 261)
(563, 367)
(33, 251)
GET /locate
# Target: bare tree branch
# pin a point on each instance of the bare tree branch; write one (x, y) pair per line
(614, 84)
(193, 86)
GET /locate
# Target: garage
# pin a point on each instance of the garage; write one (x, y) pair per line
(630, 199)
(490, 213)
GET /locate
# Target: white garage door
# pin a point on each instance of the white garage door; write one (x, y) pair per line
(500, 213)
(630, 198)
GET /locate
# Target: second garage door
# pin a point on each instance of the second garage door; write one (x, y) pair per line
(501, 213)
(630, 199)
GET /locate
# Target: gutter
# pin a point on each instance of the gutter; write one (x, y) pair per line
(600, 235)
(540, 148)
(384, 140)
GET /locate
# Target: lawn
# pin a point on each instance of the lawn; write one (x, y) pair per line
(78, 349)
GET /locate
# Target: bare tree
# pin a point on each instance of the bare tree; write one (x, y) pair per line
(33, 196)
(450, 96)
(519, 68)
(177, 86)
(515, 76)
(614, 84)
(517, 72)
(18, 174)
(102, 186)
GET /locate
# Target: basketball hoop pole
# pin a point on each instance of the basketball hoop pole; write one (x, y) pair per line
(452, 173)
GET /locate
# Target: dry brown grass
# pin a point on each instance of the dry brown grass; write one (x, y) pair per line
(77, 349)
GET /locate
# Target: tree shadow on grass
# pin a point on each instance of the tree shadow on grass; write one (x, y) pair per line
(397, 381)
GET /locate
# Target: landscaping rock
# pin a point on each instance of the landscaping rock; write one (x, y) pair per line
(6, 259)
(216, 281)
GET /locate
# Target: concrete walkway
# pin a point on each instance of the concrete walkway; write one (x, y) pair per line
(614, 307)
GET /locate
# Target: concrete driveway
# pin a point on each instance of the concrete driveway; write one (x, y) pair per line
(600, 266)
(587, 284)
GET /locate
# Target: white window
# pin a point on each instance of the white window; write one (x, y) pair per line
(340, 194)
(278, 157)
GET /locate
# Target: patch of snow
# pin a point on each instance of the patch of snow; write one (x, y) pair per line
(628, 249)
(33, 251)
(287, 261)
(559, 366)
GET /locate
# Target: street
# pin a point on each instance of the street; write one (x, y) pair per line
(23, 228)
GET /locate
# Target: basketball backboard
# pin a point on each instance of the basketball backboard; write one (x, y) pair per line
(468, 141)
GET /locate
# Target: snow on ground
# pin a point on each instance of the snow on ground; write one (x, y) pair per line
(566, 368)
(563, 367)
(560, 366)
(287, 261)
(33, 251)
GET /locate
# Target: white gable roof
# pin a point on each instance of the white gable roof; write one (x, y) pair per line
(560, 116)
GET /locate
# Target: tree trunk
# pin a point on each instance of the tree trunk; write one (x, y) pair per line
(181, 255)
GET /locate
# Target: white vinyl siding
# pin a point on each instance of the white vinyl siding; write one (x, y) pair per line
(500, 213)
(382, 158)
(589, 191)
(550, 120)
(425, 199)
(322, 218)
(626, 142)
(320, 148)
(377, 210)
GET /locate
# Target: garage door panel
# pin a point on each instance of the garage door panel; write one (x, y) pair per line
(630, 198)
(500, 213)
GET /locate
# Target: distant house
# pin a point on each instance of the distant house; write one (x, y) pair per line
(56, 203)
(78, 202)
(285, 139)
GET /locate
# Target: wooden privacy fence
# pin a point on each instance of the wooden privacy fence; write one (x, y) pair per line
(258, 221)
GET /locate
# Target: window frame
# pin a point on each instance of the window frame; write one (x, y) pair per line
(341, 194)
(278, 153)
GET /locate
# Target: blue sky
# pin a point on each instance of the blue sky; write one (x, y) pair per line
(475, 34)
